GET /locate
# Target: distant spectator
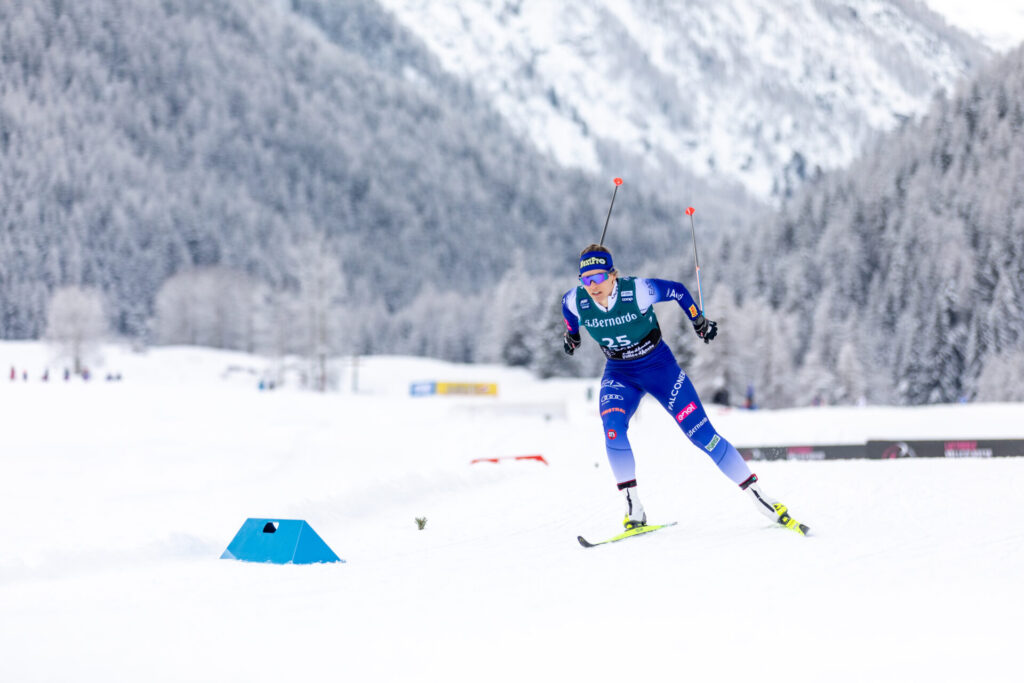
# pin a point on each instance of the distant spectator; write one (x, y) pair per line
(67, 374)
(14, 374)
(46, 375)
(749, 403)
(24, 375)
(721, 397)
(86, 374)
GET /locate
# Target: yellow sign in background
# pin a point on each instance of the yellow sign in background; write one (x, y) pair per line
(468, 388)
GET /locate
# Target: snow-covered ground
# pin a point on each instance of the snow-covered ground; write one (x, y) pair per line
(118, 498)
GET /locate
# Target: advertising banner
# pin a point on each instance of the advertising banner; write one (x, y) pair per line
(962, 448)
(834, 452)
(423, 388)
(892, 450)
(453, 389)
(467, 388)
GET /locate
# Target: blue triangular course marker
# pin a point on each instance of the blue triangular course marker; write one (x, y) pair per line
(279, 541)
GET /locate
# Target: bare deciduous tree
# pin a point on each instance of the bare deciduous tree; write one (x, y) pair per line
(319, 323)
(76, 322)
(215, 306)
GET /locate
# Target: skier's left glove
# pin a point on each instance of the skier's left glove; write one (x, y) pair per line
(705, 329)
(570, 341)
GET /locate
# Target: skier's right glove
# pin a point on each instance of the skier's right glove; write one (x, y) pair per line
(705, 329)
(570, 341)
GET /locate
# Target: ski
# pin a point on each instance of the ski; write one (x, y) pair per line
(636, 531)
(790, 523)
(796, 526)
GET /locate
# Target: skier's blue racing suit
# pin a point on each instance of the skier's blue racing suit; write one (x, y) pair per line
(639, 362)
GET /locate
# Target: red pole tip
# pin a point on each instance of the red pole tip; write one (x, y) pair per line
(689, 211)
(618, 181)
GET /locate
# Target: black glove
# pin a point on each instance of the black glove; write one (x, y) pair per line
(705, 329)
(570, 341)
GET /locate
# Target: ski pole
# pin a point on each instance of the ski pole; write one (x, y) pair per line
(696, 261)
(618, 181)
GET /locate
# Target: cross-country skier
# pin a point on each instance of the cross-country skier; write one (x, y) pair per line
(618, 312)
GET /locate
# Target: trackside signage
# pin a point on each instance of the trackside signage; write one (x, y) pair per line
(891, 450)
(453, 389)
(952, 448)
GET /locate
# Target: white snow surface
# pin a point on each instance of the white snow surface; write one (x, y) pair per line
(118, 498)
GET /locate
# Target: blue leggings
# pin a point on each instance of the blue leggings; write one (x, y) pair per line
(658, 374)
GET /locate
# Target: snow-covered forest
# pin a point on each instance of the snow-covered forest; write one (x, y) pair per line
(304, 178)
(902, 278)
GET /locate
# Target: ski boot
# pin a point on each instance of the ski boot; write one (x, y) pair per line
(635, 515)
(772, 509)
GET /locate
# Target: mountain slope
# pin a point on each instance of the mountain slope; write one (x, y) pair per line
(756, 92)
(1000, 24)
(138, 140)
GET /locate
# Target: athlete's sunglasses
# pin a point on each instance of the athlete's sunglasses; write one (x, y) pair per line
(595, 279)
